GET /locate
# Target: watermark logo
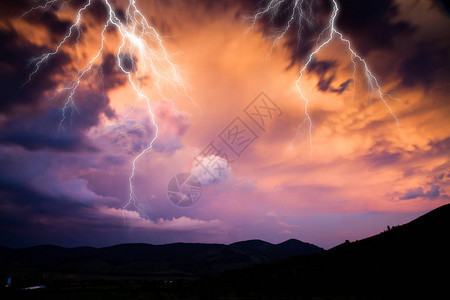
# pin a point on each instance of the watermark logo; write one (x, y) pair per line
(263, 111)
(213, 161)
(238, 136)
(184, 189)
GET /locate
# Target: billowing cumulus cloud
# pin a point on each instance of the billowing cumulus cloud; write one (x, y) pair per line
(211, 169)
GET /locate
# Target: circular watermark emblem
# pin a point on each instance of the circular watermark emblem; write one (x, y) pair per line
(184, 189)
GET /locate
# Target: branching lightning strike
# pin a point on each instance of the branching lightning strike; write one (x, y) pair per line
(138, 38)
(301, 11)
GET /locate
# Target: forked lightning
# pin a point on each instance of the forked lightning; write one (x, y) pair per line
(299, 12)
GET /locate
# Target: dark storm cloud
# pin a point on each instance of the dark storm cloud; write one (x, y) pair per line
(433, 193)
(41, 131)
(33, 138)
(31, 217)
(309, 27)
(383, 153)
(30, 120)
(129, 62)
(35, 127)
(326, 72)
(15, 54)
(20, 197)
(90, 106)
(23, 209)
(56, 27)
(112, 77)
(370, 24)
(98, 10)
(322, 68)
(425, 66)
(48, 19)
(439, 148)
(342, 87)
(443, 5)
(38, 206)
(12, 9)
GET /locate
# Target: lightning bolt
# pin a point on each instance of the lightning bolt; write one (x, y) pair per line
(138, 37)
(299, 12)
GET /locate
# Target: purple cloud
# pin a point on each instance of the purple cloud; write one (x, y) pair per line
(433, 193)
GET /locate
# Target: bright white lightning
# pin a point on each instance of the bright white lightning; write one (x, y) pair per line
(302, 11)
(138, 38)
(44, 7)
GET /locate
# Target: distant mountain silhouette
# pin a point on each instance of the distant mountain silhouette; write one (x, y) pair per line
(410, 261)
(271, 252)
(403, 262)
(178, 259)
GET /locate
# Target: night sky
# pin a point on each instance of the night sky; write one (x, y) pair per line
(64, 176)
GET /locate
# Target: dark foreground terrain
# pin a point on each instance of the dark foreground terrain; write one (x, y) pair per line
(406, 262)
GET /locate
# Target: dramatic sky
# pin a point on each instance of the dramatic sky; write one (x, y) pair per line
(64, 178)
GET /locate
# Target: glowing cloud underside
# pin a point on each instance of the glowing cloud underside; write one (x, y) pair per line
(139, 40)
(300, 12)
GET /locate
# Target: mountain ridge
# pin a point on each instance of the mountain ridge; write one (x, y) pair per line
(174, 259)
(149, 244)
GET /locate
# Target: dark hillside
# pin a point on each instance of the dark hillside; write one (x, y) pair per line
(408, 260)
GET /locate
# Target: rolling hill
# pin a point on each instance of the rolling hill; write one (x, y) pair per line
(171, 260)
